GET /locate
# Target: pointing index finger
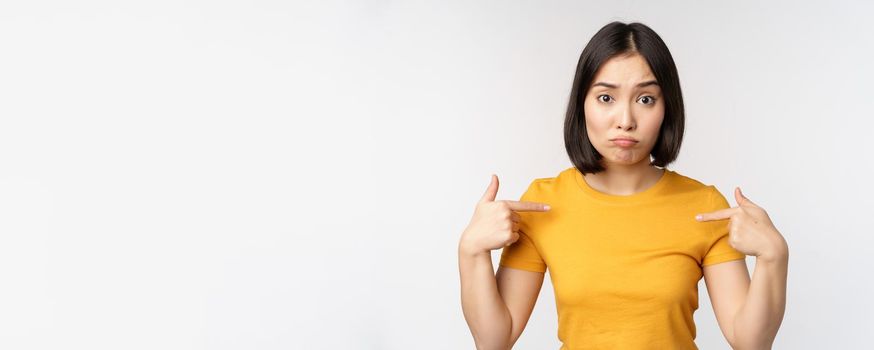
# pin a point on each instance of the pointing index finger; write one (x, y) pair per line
(720, 214)
(527, 206)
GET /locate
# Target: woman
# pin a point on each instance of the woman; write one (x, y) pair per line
(618, 231)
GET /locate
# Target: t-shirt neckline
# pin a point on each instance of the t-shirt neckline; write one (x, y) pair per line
(638, 197)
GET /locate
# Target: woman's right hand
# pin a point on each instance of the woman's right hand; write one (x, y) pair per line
(495, 224)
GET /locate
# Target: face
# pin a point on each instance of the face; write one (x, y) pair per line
(624, 100)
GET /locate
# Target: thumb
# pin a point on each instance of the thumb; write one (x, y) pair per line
(740, 198)
(492, 191)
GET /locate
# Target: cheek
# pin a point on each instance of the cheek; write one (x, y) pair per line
(596, 119)
(650, 121)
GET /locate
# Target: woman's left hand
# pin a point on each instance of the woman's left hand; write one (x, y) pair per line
(750, 229)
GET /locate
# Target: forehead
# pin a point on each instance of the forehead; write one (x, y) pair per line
(624, 70)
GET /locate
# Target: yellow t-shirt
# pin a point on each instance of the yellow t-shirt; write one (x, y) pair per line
(625, 269)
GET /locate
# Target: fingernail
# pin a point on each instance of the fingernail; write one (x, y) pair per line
(546, 207)
(698, 217)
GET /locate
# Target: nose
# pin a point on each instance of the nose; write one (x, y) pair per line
(625, 119)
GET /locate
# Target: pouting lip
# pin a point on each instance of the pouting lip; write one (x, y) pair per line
(623, 138)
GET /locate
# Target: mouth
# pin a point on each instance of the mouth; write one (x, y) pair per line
(624, 142)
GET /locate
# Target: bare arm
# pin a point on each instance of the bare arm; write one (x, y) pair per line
(750, 312)
(484, 309)
(759, 318)
(519, 288)
(496, 306)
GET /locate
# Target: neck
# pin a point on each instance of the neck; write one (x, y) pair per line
(625, 179)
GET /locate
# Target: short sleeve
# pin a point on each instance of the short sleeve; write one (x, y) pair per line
(719, 248)
(523, 253)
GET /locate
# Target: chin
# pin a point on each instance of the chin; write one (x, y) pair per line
(625, 162)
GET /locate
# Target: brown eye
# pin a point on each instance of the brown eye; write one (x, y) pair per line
(602, 100)
(649, 100)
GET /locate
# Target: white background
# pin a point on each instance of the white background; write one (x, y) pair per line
(274, 175)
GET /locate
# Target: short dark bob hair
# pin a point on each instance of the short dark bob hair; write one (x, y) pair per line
(618, 39)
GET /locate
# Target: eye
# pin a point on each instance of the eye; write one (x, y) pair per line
(649, 100)
(602, 100)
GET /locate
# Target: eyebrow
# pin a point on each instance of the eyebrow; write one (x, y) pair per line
(614, 86)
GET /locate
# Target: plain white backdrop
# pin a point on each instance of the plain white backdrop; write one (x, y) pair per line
(274, 175)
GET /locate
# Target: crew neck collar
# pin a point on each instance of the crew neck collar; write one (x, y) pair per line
(649, 193)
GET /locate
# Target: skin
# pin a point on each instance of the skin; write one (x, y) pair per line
(622, 101)
(624, 109)
(493, 313)
(749, 313)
